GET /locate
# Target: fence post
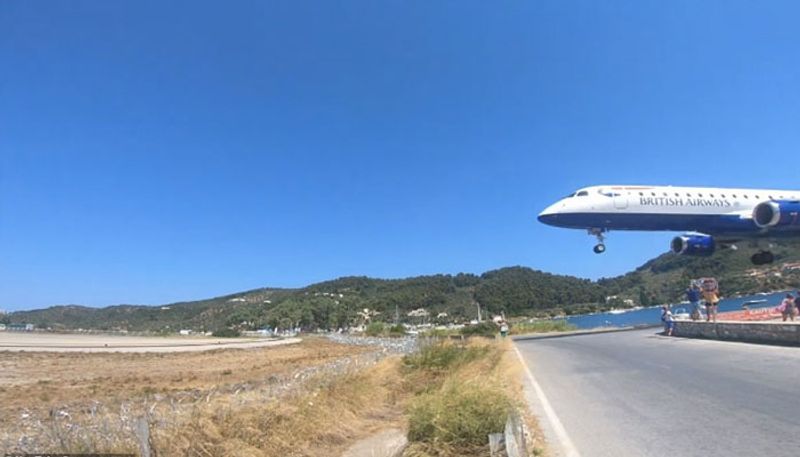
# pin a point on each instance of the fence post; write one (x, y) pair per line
(515, 436)
(143, 435)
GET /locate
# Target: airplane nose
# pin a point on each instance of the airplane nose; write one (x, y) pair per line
(549, 215)
(549, 219)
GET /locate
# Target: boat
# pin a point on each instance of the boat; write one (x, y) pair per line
(754, 302)
(681, 314)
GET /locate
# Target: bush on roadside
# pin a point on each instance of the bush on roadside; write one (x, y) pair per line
(554, 325)
(461, 415)
(374, 329)
(442, 357)
(381, 329)
(226, 333)
(480, 329)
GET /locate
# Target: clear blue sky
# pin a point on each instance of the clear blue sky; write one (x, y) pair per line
(160, 151)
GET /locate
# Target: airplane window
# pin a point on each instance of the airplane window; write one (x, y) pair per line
(757, 196)
(665, 194)
(722, 195)
(582, 193)
(700, 195)
(641, 194)
(688, 194)
(734, 195)
(653, 194)
(711, 195)
(745, 196)
(677, 194)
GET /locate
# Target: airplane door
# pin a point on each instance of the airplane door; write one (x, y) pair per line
(620, 201)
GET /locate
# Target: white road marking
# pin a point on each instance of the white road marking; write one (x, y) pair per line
(561, 433)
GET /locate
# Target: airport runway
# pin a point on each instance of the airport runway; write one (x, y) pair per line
(632, 394)
(57, 342)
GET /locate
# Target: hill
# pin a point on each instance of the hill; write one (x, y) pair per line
(514, 291)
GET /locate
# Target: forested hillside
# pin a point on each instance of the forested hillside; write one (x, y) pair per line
(514, 291)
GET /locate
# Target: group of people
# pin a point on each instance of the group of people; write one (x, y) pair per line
(706, 289)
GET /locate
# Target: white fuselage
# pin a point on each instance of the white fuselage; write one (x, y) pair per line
(722, 211)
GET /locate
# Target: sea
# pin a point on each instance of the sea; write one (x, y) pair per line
(652, 315)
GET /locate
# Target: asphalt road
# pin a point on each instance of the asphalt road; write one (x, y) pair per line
(639, 394)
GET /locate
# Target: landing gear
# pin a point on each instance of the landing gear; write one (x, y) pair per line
(762, 258)
(600, 247)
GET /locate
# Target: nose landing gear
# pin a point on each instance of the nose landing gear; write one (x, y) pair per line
(600, 247)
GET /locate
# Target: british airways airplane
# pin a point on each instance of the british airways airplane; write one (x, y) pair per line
(712, 218)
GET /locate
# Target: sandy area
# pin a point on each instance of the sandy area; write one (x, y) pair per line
(55, 342)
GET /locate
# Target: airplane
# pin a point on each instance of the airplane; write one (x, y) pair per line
(711, 217)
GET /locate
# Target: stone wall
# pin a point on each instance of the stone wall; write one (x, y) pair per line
(787, 333)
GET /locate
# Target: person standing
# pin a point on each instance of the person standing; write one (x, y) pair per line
(788, 308)
(711, 297)
(667, 319)
(693, 296)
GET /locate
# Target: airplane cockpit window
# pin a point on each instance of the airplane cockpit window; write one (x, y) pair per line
(570, 195)
(582, 193)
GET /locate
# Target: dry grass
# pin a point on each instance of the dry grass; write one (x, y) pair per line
(457, 407)
(255, 402)
(73, 402)
(38, 382)
(322, 420)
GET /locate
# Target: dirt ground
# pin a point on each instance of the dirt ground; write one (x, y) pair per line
(39, 381)
(68, 342)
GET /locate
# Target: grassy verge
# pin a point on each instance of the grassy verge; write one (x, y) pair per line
(459, 395)
(322, 419)
(543, 326)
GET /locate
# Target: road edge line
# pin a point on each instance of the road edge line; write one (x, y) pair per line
(561, 433)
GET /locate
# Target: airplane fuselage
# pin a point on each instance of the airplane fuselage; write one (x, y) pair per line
(710, 210)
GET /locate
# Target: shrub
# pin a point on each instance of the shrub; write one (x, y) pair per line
(374, 329)
(382, 329)
(443, 357)
(554, 325)
(480, 329)
(226, 333)
(460, 415)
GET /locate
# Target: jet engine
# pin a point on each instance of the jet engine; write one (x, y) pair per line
(779, 214)
(695, 245)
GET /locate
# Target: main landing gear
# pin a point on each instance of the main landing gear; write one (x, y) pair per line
(600, 247)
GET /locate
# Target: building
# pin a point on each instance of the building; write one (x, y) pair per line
(19, 327)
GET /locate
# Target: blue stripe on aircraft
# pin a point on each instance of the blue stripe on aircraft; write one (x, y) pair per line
(706, 223)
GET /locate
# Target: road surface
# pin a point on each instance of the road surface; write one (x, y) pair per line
(64, 342)
(640, 394)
